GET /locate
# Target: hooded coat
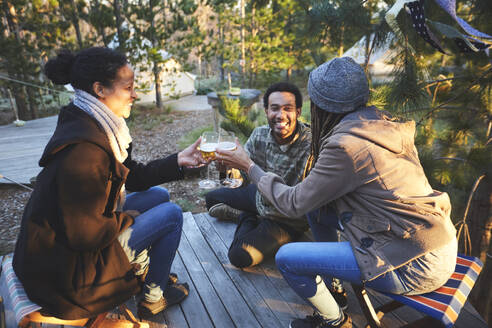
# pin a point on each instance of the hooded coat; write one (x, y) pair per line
(369, 169)
(67, 254)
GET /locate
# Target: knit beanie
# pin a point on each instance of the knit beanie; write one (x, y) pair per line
(338, 86)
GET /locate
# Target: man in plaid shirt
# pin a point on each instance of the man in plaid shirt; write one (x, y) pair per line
(282, 147)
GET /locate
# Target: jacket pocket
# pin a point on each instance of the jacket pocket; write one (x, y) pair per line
(369, 232)
(406, 227)
(371, 224)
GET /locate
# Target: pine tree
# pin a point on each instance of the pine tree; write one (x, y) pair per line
(160, 26)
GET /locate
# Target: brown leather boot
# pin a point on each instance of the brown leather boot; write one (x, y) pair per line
(173, 294)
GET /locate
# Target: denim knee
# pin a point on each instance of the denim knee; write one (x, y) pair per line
(174, 212)
(161, 192)
(284, 256)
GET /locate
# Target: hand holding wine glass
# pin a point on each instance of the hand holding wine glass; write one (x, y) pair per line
(238, 158)
(227, 142)
(208, 145)
(191, 156)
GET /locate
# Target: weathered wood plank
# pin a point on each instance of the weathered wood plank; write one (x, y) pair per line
(256, 303)
(174, 315)
(291, 299)
(229, 295)
(295, 302)
(256, 276)
(202, 285)
(192, 307)
(22, 147)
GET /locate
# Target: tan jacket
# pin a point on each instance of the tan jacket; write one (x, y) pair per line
(369, 168)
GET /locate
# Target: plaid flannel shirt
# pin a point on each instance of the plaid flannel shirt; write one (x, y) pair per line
(287, 161)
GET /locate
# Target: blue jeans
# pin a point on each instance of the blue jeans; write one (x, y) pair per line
(153, 238)
(303, 264)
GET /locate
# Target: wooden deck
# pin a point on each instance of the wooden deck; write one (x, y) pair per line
(22, 147)
(224, 296)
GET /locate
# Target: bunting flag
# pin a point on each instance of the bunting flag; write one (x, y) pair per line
(390, 18)
(465, 43)
(450, 7)
(418, 17)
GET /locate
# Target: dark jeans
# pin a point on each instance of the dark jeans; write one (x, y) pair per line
(256, 237)
(242, 198)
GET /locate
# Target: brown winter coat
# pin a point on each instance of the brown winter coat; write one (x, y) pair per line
(369, 168)
(67, 254)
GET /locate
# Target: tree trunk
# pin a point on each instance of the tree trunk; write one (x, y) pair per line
(340, 48)
(119, 31)
(243, 50)
(480, 225)
(19, 94)
(221, 56)
(157, 81)
(21, 103)
(95, 7)
(481, 295)
(480, 219)
(75, 21)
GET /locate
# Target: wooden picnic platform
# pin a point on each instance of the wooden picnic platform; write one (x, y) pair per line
(222, 295)
(22, 147)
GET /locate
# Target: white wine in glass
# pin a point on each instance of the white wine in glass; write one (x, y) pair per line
(208, 145)
(228, 142)
(208, 150)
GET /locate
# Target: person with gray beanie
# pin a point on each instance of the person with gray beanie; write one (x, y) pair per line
(366, 180)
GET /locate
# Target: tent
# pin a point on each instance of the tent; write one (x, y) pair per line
(380, 66)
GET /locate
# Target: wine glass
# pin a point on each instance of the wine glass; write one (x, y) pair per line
(207, 148)
(228, 142)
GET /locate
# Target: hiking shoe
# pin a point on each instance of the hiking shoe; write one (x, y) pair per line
(340, 298)
(224, 212)
(316, 321)
(173, 294)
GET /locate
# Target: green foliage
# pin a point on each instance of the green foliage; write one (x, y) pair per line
(204, 86)
(185, 204)
(306, 112)
(405, 93)
(236, 118)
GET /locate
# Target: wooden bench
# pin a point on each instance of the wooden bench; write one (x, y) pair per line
(441, 306)
(29, 314)
(101, 321)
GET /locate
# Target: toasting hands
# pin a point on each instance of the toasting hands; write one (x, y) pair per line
(237, 158)
(191, 156)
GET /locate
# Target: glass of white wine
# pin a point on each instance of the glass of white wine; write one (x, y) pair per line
(208, 145)
(228, 142)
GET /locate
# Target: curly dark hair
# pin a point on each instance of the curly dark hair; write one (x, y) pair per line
(283, 87)
(81, 70)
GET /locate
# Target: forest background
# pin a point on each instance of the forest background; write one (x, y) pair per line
(250, 44)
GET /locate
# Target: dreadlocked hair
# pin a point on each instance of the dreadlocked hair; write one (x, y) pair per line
(322, 124)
